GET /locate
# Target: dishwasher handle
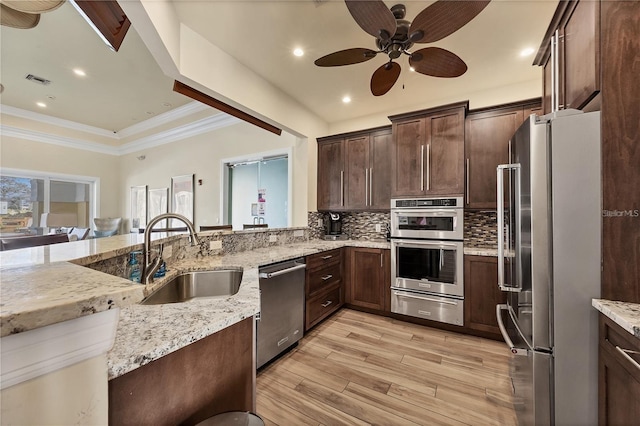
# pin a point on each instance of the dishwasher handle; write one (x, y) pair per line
(267, 275)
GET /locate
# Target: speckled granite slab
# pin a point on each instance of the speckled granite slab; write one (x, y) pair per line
(626, 315)
(35, 296)
(481, 251)
(146, 333)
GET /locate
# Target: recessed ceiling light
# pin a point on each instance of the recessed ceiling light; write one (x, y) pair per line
(346, 99)
(41, 104)
(526, 52)
(298, 52)
(412, 69)
(79, 72)
(166, 104)
(150, 113)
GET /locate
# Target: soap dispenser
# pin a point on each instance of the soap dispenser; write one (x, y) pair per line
(134, 271)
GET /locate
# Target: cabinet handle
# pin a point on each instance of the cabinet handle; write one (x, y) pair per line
(421, 167)
(366, 187)
(428, 166)
(381, 260)
(327, 257)
(342, 188)
(556, 71)
(371, 186)
(468, 161)
(626, 355)
(326, 277)
(327, 303)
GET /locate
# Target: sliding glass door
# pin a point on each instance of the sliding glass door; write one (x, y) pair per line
(28, 198)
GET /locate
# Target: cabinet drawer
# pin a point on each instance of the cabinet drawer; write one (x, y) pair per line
(323, 278)
(323, 305)
(326, 257)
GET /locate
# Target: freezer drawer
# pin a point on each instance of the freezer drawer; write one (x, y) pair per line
(427, 306)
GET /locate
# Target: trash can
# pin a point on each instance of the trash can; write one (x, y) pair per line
(233, 418)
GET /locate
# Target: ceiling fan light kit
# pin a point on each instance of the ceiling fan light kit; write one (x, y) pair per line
(394, 36)
(25, 14)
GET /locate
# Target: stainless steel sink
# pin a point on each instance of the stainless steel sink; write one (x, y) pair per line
(187, 286)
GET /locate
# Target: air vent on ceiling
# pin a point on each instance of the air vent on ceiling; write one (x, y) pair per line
(37, 79)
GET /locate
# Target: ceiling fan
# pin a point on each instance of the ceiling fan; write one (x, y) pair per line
(395, 36)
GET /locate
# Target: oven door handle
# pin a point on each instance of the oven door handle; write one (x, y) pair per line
(436, 245)
(428, 299)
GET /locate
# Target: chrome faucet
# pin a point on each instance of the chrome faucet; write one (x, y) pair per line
(149, 268)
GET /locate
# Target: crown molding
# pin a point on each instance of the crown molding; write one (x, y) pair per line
(195, 128)
(67, 142)
(44, 350)
(43, 118)
(175, 114)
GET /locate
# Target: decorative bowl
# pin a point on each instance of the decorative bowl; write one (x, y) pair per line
(108, 224)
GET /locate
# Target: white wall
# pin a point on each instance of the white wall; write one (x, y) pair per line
(201, 156)
(29, 155)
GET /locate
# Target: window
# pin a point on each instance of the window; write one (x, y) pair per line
(28, 200)
(258, 192)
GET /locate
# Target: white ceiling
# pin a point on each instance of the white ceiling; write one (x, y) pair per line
(121, 87)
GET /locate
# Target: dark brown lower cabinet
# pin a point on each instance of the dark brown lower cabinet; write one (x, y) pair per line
(369, 278)
(208, 377)
(481, 294)
(618, 376)
(324, 290)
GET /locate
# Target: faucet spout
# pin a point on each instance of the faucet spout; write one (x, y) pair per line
(149, 266)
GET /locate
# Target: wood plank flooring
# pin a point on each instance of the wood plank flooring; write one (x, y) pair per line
(363, 369)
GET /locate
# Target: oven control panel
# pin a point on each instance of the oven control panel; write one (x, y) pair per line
(427, 202)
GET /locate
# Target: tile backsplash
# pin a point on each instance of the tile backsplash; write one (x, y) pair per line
(357, 225)
(480, 228)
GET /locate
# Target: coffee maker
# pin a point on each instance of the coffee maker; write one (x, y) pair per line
(333, 227)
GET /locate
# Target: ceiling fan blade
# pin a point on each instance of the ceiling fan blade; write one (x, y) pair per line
(437, 62)
(445, 17)
(15, 19)
(384, 78)
(33, 6)
(346, 57)
(373, 17)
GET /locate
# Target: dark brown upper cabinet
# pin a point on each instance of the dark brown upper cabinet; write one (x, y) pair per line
(487, 136)
(354, 170)
(570, 55)
(428, 152)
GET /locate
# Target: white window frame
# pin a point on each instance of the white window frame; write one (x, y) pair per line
(94, 186)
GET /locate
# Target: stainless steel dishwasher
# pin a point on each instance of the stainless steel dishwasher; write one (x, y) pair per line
(281, 321)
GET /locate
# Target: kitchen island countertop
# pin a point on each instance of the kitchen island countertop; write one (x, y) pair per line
(46, 285)
(625, 314)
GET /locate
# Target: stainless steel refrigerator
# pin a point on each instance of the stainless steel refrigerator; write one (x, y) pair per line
(549, 227)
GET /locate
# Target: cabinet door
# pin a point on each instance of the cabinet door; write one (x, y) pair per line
(618, 376)
(367, 278)
(380, 170)
(487, 145)
(407, 158)
(581, 46)
(356, 180)
(481, 293)
(331, 175)
(444, 156)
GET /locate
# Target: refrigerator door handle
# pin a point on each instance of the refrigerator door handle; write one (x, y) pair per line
(514, 350)
(501, 225)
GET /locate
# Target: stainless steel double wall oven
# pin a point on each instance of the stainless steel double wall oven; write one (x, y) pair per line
(427, 269)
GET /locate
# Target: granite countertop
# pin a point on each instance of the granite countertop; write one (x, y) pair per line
(625, 314)
(148, 332)
(490, 251)
(46, 285)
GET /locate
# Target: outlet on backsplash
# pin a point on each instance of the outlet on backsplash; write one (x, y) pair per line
(320, 224)
(378, 227)
(273, 238)
(214, 245)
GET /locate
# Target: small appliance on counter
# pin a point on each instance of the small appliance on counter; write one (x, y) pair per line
(333, 227)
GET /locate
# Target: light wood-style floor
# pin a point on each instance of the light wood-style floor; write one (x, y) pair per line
(359, 369)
